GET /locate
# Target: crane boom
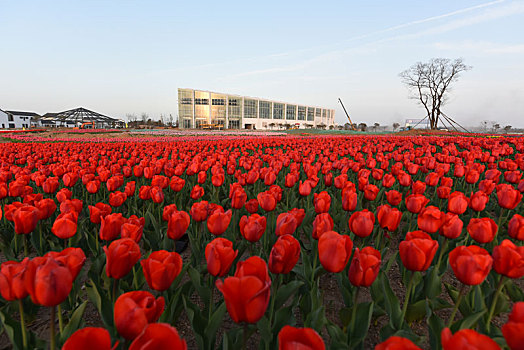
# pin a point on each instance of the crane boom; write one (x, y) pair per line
(350, 122)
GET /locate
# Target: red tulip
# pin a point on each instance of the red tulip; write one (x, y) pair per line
(452, 226)
(508, 197)
(199, 211)
(93, 186)
(478, 201)
(361, 223)
(130, 188)
(238, 196)
(516, 227)
(417, 251)
(513, 330)
(144, 193)
(253, 227)
(111, 226)
(508, 259)
(291, 338)
(457, 202)
(364, 267)
(284, 254)
(247, 293)
(218, 222)
(394, 197)
(388, 218)
(397, 343)
(99, 211)
(267, 201)
(121, 256)
(12, 285)
(286, 224)
(371, 192)
(471, 264)
(304, 188)
(133, 311)
(89, 338)
(220, 256)
(178, 224)
(25, 219)
(161, 269)
(322, 202)
(430, 219)
(416, 202)
(466, 339)
(349, 200)
(46, 208)
(158, 336)
(157, 194)
(482, 230)
(133, 228)
(176, 183)
(322, 223)
(334, 251)
(252, 206)
(47, 281)
(72, 258)
(65, 225)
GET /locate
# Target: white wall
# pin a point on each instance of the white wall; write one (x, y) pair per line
(3, 120)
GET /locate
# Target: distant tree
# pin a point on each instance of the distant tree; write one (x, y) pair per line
(507, 128)
(144, 117)
(429, 83)
(395, 126)
(362, 126)
(496, 127)
(375, 126)
(347, 126)
(171, 120)
(271, 125)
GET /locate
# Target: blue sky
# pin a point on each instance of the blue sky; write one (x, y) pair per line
(119, 57)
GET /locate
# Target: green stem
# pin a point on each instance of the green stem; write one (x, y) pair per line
(442, 251)
(245, 336)
(354, 311)
(115, 286)
(60, 319)
(211, 301)
(22, 323)
(25, 246)
(500, 285)
(457, 303)
(406, 299)
(500, 219)
(52, 329)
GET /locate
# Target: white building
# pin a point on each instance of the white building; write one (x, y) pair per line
(202, 109)
(16, 119)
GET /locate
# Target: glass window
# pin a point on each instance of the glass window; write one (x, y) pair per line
(186, 123)
(301, 114)
(234, 108)
(250, 108)
(278, 110)
(265, 110)
(291, 112)
(311, 113)
(234, 124)
(318, 113)
(218, 102)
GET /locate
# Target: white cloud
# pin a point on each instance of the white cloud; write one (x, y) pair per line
(481, 47)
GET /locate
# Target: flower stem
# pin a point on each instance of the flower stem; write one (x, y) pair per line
(500, 285)
(354, 311)
(245, 337)
(406, 299)
(442, 251)
(60, 320)
(22, 323)
(457, 303)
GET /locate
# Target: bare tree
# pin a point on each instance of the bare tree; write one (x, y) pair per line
(507, 128)
(375, 126)
(395, 126)
(496, 127)
(362, 126)
(429, 83)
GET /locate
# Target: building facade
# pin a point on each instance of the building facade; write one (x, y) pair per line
(201, 109)
(16, 119)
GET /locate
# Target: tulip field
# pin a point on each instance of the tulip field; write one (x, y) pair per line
(262, 241)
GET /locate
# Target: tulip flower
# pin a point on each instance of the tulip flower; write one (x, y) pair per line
(133, 228)
(178, 224)
(98, 211)
(267, 201)
(322, 202)
(349, 200)
(471, 264)
(158, 336)
(167, 211)
(516, 227)
(466, 339)
(513, 330)
(299, 215)
(111, 226)
(397, 343)
(252, 206)
(161, 268)
(89, 338)
(157, 194)
(286, 224)
(334, 251)
(508, 259)
(457, 202)
(247, 293)
(322, 223)
(284, 254)
(478, 201)
(452, 226)
(65, 225)
(176, 183)
(417, 251)
(220, 256)
(291, 338)
(238, 196)
(25, 219)
(218, 222)
(482, 230)
(430, 219)
(508, 197)
(121, 256)
(133, 311)
(47, 281)
(253, 227)
(72, 258)
(388, 218)
(12, 285)
(416, 202)
(199, 211)
(361, 223)
(364, 267)
(394, 197)
(46, 208)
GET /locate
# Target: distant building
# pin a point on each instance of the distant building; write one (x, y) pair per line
(206, 109)
(417, 123)
(17, 119)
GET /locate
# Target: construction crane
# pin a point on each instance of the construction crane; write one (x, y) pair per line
(350, 122)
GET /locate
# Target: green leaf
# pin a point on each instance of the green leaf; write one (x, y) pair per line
(264, 327)
(103, 305)
(13, 331)
(213, 324)
(202, 290)
(514, 292)
(338, 338)
(435, 326)
(416, 311)
(392, 304)
(286, 291)
(74, 322)
(316, 319)
(467, 322)
(432, 284)
(197, 322)
(345, 316)
(362, 322)
(283, 316)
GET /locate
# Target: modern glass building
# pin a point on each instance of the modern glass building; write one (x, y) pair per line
(202, 109)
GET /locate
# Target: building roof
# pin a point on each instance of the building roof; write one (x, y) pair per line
(81, 115)
(27, 114)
